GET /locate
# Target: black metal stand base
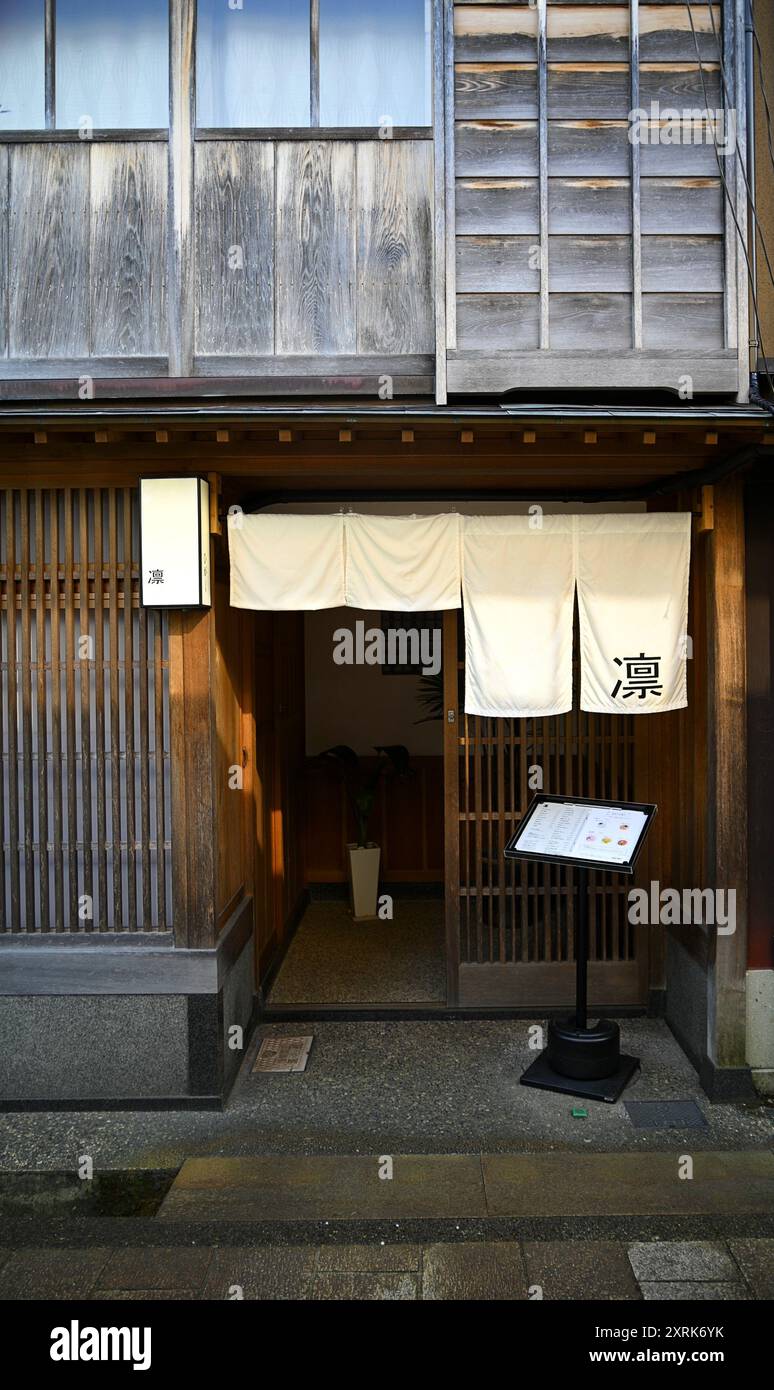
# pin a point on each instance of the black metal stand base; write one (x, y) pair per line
(542, 1075)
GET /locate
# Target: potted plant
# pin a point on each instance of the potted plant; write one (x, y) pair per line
(361, 785)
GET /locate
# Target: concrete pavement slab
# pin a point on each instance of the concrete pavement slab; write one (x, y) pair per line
(366, 1287)
(627, 1184)
(682, 1259)
(369, 1259)
(325, 1188)
(755, 1258)
(689, 1291)
(476, 1271)
(265, 1273)
(59, 1274)
(155, 1268)
(580, 1269)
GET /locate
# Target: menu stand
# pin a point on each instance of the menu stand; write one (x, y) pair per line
(580, 1060)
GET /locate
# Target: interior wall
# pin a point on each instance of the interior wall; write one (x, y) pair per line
(358, 704)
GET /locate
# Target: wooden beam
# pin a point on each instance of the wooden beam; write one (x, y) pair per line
(192, 763)
(529, 437)
(162, 436)
(589, 436)
(727, 770)
(222, 436)
(100, 436)
(649, 437)
(216, 487)
(706, 519)
(407, 436)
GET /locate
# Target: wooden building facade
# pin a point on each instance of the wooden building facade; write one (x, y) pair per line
(463, 280)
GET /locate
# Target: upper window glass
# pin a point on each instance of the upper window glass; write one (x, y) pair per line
(374, 62)
(270, 64)
(22, 65)
(112, 64)
(252, 63)
(109, 65)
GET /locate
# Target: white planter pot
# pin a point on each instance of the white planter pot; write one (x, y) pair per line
(364, 880)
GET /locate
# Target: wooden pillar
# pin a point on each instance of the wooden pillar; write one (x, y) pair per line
(727, 770)
(181, 290)
(451, 734)
(192, 744)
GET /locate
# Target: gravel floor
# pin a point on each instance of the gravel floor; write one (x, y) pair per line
(403, 1087)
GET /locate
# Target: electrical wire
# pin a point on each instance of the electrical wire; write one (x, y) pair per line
(762, 82)
(742, 161)
(732, 210)
(755, 395)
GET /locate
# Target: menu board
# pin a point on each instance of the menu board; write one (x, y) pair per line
(599, 834)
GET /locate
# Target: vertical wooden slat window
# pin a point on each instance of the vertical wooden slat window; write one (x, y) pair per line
(512, 912)
(84, 730)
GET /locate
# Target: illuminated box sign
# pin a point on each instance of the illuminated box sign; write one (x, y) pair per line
(175, 542)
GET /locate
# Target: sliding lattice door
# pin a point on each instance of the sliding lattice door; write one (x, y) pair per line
(511, 925)
(85, 806)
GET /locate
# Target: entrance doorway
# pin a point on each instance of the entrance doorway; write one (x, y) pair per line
(468, 929)
(366, 691)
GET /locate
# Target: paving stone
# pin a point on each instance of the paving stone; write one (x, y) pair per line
(325, 1188)
(355, 1288)
(155, 1267)
(755, 1258)
(145, 1295)
(689, 1291)
(572, 1269)
(624, 1184)
(474, 1271)
(267, 1272)
(62, 1273)
(369, 1259)
(681, 1259)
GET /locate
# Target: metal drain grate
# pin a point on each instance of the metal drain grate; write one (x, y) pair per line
(665, 1114)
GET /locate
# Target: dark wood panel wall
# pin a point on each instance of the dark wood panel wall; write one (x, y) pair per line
(571, 237)
(408, 823)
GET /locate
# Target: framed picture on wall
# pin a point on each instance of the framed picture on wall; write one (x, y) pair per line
(410, 640)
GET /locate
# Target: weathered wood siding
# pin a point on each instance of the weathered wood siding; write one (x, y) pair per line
(312, 249)
(82, 237)
(570, 238)
(303, 252)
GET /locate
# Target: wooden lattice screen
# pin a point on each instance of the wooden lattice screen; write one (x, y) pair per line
(514, 912)
(85, 806)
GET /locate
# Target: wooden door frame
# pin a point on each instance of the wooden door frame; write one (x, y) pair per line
(451, 803)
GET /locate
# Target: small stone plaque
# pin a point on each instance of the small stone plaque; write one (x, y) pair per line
(283, 1054)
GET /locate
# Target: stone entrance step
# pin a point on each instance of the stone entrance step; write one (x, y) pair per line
(403, 1187)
